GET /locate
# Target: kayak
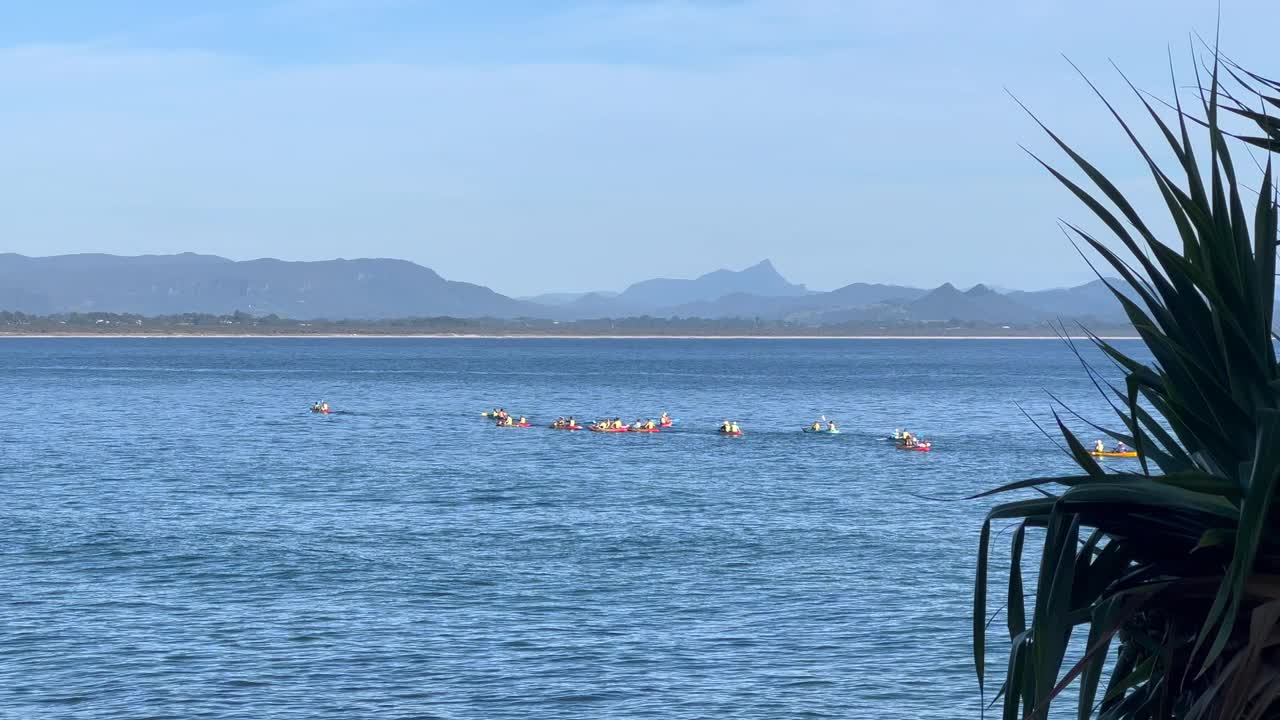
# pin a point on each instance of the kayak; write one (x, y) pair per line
(820, 432)
(318, 411)
(666, 424)
(731, 433)
(516, 425)
(917, 448)
(1109, 453)
(644, 430)
(566, 427)
(593, 428)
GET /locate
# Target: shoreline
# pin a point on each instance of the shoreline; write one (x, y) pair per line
(499, 336)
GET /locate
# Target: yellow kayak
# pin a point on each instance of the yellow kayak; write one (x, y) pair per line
(1108, 453)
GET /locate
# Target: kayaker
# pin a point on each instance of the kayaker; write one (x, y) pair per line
(815, 427)
(572, 422)
(725, 427)
(651, 425)
(523, 421)
(733, 428)
(831, 426)
(665, 419)
(324, 407)
(1121, 447)
(1099, 447)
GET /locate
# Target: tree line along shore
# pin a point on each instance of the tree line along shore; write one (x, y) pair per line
(238, 324)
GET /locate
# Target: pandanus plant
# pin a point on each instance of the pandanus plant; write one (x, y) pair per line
(1167, 574)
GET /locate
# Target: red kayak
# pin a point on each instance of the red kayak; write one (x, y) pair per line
(566, 427)
(732, 433)
(921, 447)
(666, 424)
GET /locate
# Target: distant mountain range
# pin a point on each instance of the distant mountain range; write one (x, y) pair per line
(375, 289)
(684, 298)
(169, 284)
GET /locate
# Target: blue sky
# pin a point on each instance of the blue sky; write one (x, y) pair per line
(574, 144)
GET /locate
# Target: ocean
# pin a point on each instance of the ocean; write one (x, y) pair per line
(180, 537)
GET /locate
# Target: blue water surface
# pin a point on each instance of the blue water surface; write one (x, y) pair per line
(180, 537)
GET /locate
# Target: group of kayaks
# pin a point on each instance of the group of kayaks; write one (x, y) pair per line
(729, 428)
(616, 425)
(502, 418)
(901, 439)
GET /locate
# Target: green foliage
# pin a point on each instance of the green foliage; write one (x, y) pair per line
(101, 323)
(1173, 571)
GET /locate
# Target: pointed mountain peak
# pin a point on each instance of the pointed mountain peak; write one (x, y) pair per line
(759, 279)
(946, 288)
(980, 290)
(764, 270)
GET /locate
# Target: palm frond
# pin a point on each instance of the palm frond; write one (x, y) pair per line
(1172, 573)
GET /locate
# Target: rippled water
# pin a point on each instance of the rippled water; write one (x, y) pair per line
(180, 537)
